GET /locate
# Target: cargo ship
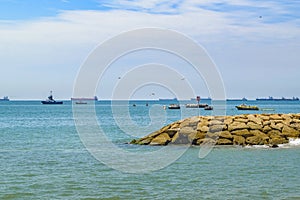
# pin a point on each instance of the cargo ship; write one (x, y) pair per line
(270, 98)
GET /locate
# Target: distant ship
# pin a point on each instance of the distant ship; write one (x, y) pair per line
(5, 98)
(195, 99)
(243, 99)
(270, 98)
(95, 98)
(50, 100)
(174, 99)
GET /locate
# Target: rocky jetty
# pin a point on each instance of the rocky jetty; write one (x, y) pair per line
(247, 129)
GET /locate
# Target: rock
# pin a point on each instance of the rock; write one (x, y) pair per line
(187, 130)
(289, 132)
(266, 129)
(216, 122)
(275, 117)
(162, 139)
(180, 139)
(144, 141)
(244, 132)
(259, 133)
(243, 120)
(224, 141)
(254, 140)
(264, 137)
(225, 135)
(203, 123)
(206, 141)
(176, 125)
(266, 123)
(295, 126)
(203, 128)
(276, 126)
(264, 117)
(214, 135)
(237, 126)
(274, 133)
(195, 136)
(254, 119)
(228, 120)
(278, 140)
(171, 132)
(254, 126)
(238, 140)
(216, 128)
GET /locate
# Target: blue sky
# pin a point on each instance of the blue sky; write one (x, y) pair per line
(255, 44)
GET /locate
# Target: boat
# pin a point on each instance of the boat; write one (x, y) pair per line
(80, 102)
(246, 107)
(174, 106)
(5, 98)
(270, 98)
(208, 108)
(50, 100)
(194, 105)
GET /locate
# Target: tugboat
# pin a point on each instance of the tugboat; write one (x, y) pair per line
(50, 100)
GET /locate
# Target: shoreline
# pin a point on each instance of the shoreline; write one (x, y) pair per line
(243, 130)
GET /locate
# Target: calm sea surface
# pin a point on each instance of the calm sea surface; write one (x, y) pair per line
(42, 157)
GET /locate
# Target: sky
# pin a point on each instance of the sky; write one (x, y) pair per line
(254, 44)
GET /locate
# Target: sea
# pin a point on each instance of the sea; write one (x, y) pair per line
(44, 155)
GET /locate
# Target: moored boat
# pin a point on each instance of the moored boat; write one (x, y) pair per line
(246, 107)
(174, 106)
(194, 105)
(208, 108)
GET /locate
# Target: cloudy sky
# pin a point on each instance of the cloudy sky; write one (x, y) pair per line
(254, 44)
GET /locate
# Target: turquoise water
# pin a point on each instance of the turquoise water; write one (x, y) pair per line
(42, 157)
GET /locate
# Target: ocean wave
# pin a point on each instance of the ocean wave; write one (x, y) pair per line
(292, 143)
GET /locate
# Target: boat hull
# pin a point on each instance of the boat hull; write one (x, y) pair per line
(247, 107)
(51, 102)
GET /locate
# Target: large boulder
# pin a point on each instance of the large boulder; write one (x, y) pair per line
(225, 135)
(161, 139)
(238, 140)
(254, 140)
(254, 126)
(237, 126)
(289, 132)
(278, 140)
(244, 132)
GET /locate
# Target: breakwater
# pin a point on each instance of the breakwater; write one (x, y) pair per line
(247, 129)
